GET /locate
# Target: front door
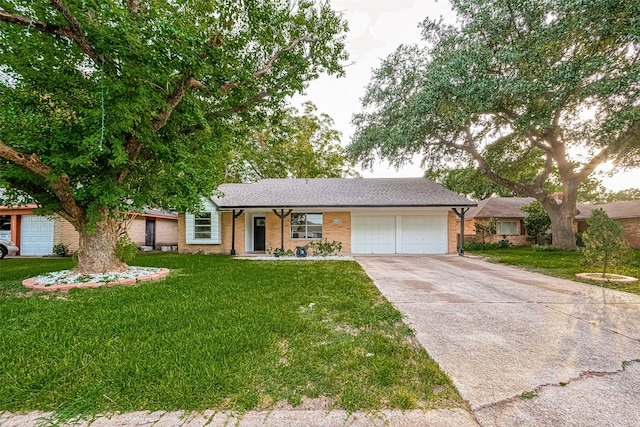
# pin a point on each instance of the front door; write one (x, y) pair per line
(150, 233)
(259, 233)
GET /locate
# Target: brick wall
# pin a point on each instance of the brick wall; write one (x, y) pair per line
(453, 229)
(166, 232)
(632, 230)
(137, 230)
(65, 233)
(224, 247)
(331, 231)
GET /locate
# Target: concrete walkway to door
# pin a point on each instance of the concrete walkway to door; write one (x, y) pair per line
(524, 349)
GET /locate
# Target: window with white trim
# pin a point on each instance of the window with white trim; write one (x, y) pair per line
(508, 228)
(306, 226)
(203, 228)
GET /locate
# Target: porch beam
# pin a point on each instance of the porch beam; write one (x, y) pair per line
(282, 216)
(461, 216)
(233, 229)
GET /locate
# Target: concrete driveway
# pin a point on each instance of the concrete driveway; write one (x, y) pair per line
(524, 349)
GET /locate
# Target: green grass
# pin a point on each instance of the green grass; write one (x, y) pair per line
(218, 333)
(561, 264)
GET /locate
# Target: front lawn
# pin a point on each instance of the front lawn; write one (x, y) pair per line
(218, 333)
(560, 264)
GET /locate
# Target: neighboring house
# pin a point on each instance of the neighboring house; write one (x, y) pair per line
(628, 214)
(369, 216)
(37, 234)
(508, 215)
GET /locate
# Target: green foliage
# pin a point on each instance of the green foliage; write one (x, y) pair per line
(506, 90)
(536, 220)
(126, 250)
(605, 242)
(468, 181)
(61, 249)
(620, 196)
(137, 104)
(291, 146)
(257, 333)
(282, 252)
(481, 246)
(485, 229)
(325, 247)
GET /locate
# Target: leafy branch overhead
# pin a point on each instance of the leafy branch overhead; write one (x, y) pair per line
(542, 86)
(108, 107)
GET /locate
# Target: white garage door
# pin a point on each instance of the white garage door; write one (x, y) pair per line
(36, 236)
(424, 235)
(373, 234)
(402, 234)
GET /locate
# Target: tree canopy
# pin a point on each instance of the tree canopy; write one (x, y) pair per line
(518, 84)
(293, 146)
(110, 106)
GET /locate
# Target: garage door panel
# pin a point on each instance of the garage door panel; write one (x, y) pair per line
(36, 236)
(424, 235)
(373, 235)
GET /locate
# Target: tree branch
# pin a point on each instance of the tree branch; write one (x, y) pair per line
(59, 186)
(278, 54)
(77, 34)
(72, 32)
(132, 147)
(174, 99)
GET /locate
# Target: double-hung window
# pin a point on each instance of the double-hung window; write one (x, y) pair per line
(203, 228)
(508, 228)
(306, 226)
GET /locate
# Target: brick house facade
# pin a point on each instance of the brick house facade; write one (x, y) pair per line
(406, 215)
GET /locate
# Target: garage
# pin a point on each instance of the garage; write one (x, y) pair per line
(399, 234)
(36, 236)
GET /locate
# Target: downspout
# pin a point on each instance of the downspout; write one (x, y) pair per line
(461, 216)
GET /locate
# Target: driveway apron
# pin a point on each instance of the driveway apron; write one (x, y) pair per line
(522, 348)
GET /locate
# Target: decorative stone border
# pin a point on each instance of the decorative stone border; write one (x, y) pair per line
(42, 287)
(612, 278)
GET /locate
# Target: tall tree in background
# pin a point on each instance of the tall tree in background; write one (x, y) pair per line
(291, 146)
(519, 84)
(109, 106)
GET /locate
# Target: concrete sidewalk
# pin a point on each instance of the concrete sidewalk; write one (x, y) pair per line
(524, 349)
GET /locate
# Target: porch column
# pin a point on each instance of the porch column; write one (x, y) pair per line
(461, 216)
(282, 216)
(233, 230)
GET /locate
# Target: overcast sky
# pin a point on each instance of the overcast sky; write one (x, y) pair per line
(377, 28)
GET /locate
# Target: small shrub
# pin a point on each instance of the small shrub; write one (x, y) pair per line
(504, 243)
(605, 242)
(126, 250)
(325, 247)
(61, 249)
(481, 246)
(281, 252)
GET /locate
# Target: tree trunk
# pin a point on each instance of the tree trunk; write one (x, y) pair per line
(97, 252)
(562, 215)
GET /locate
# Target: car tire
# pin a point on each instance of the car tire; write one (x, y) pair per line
(3, 251)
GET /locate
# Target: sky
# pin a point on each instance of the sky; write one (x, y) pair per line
(376, 29)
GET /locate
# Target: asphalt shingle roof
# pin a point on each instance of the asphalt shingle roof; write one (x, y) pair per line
(510, 207)
(338, 192)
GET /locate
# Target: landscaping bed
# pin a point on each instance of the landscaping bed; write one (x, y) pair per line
(217, 333)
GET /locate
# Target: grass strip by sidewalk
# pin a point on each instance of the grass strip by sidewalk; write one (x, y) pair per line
(218, 333)
(561, 264)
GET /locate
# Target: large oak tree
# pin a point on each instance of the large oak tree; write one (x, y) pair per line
(517, 84)
(291, 145)
(108, 106)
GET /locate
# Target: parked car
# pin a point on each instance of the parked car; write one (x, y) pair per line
(7, 247)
